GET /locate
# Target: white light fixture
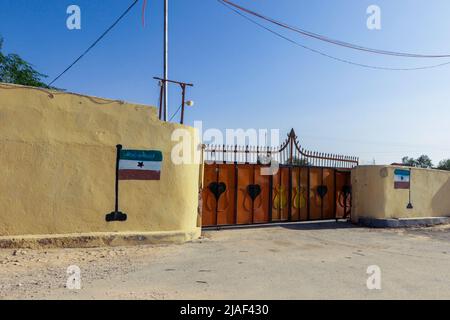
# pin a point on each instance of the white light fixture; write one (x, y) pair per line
(190, 103)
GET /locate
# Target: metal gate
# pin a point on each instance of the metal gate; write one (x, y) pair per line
(307, 185)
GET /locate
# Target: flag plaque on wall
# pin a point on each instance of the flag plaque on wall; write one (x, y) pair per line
(140, 165)
(134, 165)
(402, 179)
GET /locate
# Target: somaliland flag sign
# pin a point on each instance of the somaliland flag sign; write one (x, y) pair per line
(402, 179)
(140, 165)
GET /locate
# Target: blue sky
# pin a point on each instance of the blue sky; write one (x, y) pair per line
(246, 77)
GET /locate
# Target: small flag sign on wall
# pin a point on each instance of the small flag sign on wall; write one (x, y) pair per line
(140, 165)
(134, 165)
(402, 179)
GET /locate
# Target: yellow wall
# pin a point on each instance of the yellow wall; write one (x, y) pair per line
(57, 159)
(374, 195)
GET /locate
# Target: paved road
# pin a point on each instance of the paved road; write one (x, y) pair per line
(306, 261)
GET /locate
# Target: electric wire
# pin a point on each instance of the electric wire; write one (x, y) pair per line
(176, 112)
(223, 2)
(334, 41)
(95, 42)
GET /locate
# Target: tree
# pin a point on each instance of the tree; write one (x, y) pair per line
(13, 69)
(444, 165)
(422, 162)
(410, 162)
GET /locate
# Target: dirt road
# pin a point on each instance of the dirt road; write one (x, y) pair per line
(306, 261)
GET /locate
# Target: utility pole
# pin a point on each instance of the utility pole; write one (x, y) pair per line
(166, 59)
(164, 82)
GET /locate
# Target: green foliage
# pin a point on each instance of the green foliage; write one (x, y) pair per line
(300, 162)
(13, 69)
(411, 162)
(444, 165)
(422, 162)
(425, 162)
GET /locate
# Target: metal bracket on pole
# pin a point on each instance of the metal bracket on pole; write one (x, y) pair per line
(183, 86)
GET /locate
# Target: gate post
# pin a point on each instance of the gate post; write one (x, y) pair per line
(270, 197)
(290, 194)
(291, 146)
(335, 195)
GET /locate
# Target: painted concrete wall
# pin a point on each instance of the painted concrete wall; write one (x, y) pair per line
(57, 160)
(374, 195)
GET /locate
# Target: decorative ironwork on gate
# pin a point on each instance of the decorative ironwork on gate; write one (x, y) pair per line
(289, 153)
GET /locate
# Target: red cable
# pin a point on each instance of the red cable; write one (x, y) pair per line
(144, 6)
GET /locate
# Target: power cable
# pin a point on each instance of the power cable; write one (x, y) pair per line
(176, 112)
(333, 41)
(96, 41)
(224, 3)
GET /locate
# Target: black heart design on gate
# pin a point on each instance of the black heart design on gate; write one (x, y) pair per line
(217, 189)
(346, 190)
(322, 191)
(254, 190)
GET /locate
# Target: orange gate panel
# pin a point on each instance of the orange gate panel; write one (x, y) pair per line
(218, 195)
(315, 201)
(253, 195)
(299, 195)
(343, 193)
(244, 202)
(261, 205)
(209, 202)
(328, 201)
(280, 195)
(240, 194)
(225, 211)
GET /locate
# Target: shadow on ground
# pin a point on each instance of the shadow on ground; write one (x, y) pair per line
(311, 225)
(322, 225)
